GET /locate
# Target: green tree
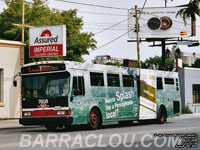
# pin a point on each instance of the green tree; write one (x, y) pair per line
(38, 14)
(196, 64)
(114, 63)
(190, 10)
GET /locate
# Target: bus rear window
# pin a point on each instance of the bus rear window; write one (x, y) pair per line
(96, 79)
(113, 80)
(169, 81)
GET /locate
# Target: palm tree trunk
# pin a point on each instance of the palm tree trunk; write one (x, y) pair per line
(193, 27)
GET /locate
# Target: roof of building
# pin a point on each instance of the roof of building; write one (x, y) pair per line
(9, 42)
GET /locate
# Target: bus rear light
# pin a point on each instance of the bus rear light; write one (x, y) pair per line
(68, 112)
(27, 114)
(61, 112)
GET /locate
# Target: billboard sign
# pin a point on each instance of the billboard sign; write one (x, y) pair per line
(47, 41)
(159, 23)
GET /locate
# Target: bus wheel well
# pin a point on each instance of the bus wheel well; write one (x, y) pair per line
(162, 116)
(95, 118)
(99, 111)
(162, 107)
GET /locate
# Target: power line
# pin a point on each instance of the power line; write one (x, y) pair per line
(111, 41)
(92, 5)
(95, 13)
(112, 26)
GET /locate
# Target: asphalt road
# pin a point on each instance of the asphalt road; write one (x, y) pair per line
(177, 133)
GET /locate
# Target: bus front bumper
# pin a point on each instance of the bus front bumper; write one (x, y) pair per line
(64, 120)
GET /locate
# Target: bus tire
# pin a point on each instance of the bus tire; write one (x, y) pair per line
(95, 119)
(125, 123)
(162, 118)
(50, 127)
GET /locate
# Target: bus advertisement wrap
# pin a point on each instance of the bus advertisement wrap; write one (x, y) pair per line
(59, 95)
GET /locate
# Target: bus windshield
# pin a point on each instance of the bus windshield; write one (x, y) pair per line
(45, 85)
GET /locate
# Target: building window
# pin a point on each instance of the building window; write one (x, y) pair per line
(1, 86)
(113, 80)
(196, 93)
(96, 79)
(128, 81)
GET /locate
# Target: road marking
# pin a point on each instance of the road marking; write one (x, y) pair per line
(108, 135)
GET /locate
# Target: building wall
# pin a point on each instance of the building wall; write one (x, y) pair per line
(10, 66)
(188, 77)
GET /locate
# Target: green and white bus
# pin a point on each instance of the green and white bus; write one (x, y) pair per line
(59, 94)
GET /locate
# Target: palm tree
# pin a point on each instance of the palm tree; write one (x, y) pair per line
(191, 10)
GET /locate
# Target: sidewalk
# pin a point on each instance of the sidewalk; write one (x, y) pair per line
(6, 124)
(10, 124)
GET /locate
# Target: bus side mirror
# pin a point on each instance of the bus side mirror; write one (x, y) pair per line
(15, 83)
(72, 98)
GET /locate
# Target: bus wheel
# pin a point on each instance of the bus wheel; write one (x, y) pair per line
(51, 127)
(162, 116)
(125, 123)
(95, 119)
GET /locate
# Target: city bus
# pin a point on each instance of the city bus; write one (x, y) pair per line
(58, 94)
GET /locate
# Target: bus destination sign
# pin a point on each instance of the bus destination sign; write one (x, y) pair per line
(43, 68)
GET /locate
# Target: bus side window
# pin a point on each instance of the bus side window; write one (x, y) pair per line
(78, 86)
(128, 81)
(177, 86)
(96, 79)
(113, 80)
(159, 83)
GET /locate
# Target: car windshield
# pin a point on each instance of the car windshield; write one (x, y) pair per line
(45, 85)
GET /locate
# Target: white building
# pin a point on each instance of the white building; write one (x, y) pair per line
(10, 60)
(187, 58)
(103, 59)
(190, 88)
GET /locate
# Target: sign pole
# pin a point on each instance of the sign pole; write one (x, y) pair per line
(163, 54)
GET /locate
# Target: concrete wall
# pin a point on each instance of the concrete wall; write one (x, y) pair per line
(10, 65)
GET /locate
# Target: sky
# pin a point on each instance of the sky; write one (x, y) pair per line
(96, 20)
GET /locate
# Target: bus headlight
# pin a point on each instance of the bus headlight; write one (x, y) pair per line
(26, 114)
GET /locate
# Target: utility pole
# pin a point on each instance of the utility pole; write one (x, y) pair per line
(138, 39)
(22, 21)
(22, 25)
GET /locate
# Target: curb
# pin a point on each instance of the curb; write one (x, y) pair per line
(15, 127)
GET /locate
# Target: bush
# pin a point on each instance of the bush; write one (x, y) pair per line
(186, 110)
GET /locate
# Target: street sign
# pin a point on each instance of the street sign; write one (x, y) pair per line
(185, 42)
